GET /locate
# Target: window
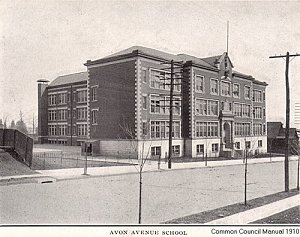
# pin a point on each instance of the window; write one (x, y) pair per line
(81, 113)
(52, 130)
(52, 115)
(82, 96)
(199, 83)
(215, 147)
(160, 129)
(144, 102)
(206, 107)
(74, 96)
(241, 110)
(242, 129)
(176, 106)
(176, 150)
(214, 86)
(207, 129)
(155, 104)
(236, 90)
(259, 143)
(257, 96)
(61, 98)
(238, 145)
(81, 130)
(52, 100)
(94, 116)
(144, 75)
(257, 129)
(155, 151)
(200, 149)
(157, 79)
(94, 93)
(257, 112)
(247, 92)
(62, 130)
(61, 114)
(177, 82)
(225, 88)
(248, 144)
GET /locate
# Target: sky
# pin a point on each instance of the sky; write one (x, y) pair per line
(45, 39)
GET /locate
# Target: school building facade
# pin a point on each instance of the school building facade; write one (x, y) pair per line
(217, 111)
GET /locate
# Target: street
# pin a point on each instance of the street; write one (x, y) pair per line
(114, 199)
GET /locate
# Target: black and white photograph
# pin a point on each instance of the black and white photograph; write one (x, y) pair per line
(149, 118)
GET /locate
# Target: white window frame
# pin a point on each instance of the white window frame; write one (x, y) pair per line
(247, 98)
(197, 78)
(239, 90)
(210, 86)
(227, 83)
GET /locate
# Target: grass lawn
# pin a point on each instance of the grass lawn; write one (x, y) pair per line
(290, 216)
(207, 216)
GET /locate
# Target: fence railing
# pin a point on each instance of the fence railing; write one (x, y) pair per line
(18, 144)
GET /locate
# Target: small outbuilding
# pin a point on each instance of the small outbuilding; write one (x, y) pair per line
(276, 139)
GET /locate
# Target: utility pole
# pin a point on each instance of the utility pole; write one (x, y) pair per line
(287, 127)
(172, 84)
(171, 115)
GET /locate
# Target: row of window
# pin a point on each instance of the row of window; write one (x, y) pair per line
(161, 104)
(156, 151)
(225, 88)
(63, 114)
(243, 129)
(161, 79)
(63, 98)
(64, 130)
(160, 129)
(206, 107)
(207, 129)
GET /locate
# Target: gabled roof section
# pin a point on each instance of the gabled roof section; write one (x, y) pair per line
(292, 133)
(212, 60)
(70, 78)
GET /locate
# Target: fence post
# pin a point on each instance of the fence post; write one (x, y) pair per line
(44, 159)
(85, 163)
(158, 162)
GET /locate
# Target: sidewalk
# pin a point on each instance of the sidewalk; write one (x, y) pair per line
(132, 168)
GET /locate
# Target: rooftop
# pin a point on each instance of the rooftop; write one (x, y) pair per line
(70, 78)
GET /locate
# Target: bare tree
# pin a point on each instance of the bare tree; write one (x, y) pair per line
(141, 157)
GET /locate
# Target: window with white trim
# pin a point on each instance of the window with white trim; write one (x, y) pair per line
(206, 107)
(52, 99)
(52, 115)
(81, 130)
(257, 129)
(94, 93)
(225, 88)
(199, 83)
(259, 143)
(82, 96)
(215, 147)
(200, 149)
(214, 85)
(144, 101)
(94, 116)
(155, 104)
(207, 129)
(257, 112)
(257, 95)
(156, 151)
(144, 75)
(242, 129)
(62, 130)
(176, 150)
(61, 114)
(52, 130)
(61, 98)
(247, 92)
(160, 129)
(82, 113)
(236, 90)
